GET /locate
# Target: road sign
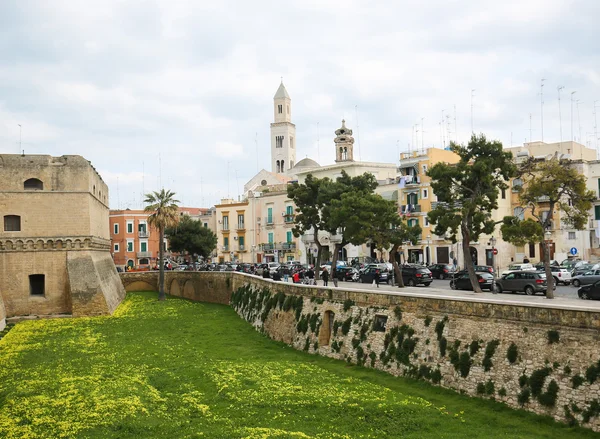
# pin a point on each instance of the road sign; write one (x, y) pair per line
(495, 251)
(573, 251)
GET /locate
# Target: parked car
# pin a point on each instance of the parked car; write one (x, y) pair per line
(273, 266)
(442, 271)
(584, 268)
(349, 274)
(591, 291)
(529, 282)
(569, 264)
(369, 275)
(561, 275)
(586, 278)
(518, 267)
(413, 275)
(478, 269)
(462, 282)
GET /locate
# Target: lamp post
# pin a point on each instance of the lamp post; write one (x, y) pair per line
(493, 243)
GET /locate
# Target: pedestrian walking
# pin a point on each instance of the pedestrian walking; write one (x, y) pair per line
(376, 277)
(325, 276)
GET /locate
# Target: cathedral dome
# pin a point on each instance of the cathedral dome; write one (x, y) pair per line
(307, 163)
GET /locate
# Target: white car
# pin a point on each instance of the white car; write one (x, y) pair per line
(518, 267)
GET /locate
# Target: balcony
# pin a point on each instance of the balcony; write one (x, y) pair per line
(241, 226)
(241, 248)
(288, 246)
(143, 255)
(143, 233)
(410, 208)
(289, 219)
(225, 248)
(269, 221)
(267, 247)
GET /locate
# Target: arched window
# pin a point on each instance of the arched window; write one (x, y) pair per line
(12, 223)
(283, 166)
(33, 184)
(519, 212)
(278, 166)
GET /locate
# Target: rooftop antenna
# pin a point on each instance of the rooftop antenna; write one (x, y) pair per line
(357, 132)
(441, 140)
(228, 162)
(455, 130)
(256, 146)
(577, 102)
(542, 105)
(318, 146)
(472, 95)
(20, 138)
(441, 127)
(572, 138)
(422, 135)
(559, 88)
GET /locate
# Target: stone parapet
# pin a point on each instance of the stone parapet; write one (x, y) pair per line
(54, 243)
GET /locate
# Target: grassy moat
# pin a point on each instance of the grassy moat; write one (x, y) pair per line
(179, 369)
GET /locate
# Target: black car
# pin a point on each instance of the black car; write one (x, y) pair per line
(478, 269)
(589, 291)
(369, 275)
(462, 282)
(442, 271)
(347, 273)
(413, 275)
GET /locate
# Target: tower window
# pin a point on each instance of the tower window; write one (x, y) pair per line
(283, 166)
(278, 141)
(278, 165)
(280, 109)
(292, 142)
(33, 184)
(12, 223)
(37, 284)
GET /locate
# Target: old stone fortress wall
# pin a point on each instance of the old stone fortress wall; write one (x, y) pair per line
(541, 358)
(55, 243)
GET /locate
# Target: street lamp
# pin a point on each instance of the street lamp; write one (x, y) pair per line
(548, 235)
(493, 243)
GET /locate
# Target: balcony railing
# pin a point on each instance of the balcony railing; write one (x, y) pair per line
(267, 247)
(241, 248)
(225, 248)
(143, 233)
(269, 221)
(410, 208)
(225, 228)
(240, 226)
(289, 219)
(144, 254)
(288, 246)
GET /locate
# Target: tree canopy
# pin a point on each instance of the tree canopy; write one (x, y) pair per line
(164, 213)
(192, 237)
(548, 187)
(467, 193)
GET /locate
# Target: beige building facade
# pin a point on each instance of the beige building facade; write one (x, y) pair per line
(55, 244)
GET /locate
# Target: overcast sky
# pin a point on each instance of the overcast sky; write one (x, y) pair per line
(126, 82)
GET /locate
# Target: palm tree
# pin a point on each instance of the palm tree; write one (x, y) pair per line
(165, 213)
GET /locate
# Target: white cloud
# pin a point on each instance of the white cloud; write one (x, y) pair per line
(228, 150)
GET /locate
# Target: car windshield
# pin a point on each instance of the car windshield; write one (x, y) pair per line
(514, 267)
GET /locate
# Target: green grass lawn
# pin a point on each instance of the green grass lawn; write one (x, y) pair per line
(179, 369)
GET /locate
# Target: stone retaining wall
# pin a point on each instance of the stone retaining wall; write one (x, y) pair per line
(540, 358)
(2, 315)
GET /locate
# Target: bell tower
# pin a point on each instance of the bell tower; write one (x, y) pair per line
(283, 133)
(344, 144)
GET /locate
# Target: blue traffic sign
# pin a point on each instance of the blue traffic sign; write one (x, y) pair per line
(573, 251)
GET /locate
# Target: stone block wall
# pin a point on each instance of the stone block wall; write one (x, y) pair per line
(2, 315)
(95, 287)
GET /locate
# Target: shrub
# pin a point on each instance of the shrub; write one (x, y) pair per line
(591, 373)
(346, 326)
(592, 411)
(474, 347)
(567, 370)
(316, 345)
(523, 380)
(427, 321)
(464, 364)
(523, 397)
(548, 398)
(363, 332)
(577, 381)
(443, 344)
(553, 336)
(424, 372)
(373, 357)
(348, 304)
(314, 319)
(336, 326)
(302, 325)
(306, 344)
(436, 376)
(490, 389)
(287, 303)
(360, 353)
(439, 329)
(536, 380)
(480, 388)
(502, 392)
(512, 353)
(398, 313)
(355, 343)
(490, 350)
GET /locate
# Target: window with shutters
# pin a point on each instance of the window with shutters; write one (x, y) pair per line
(12, 223)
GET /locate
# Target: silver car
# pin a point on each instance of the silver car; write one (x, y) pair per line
(587, 278)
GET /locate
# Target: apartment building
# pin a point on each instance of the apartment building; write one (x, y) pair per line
(231, 222)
